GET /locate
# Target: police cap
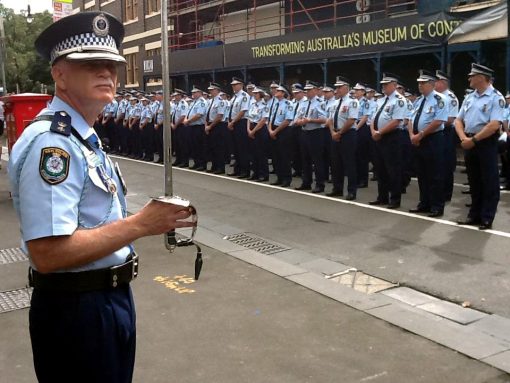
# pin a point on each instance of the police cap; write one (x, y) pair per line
(83, 36)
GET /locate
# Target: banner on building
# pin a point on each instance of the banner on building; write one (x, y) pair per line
(62, 8)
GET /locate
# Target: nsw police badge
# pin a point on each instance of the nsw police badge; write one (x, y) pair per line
(54, 165)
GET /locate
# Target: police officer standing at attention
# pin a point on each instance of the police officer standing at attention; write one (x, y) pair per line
(426, 133)
(158, 127)
(363, 133)
(215, 129)
(450, 147)
(310, 117)
(342, 127)
(280, 136)
(299, 99)
(477, 126)
(182, 136)
(239, 106)
(195, 120)
(72, 211)
(147, 130)
(119, 124)
(385, 129)
(258, 136)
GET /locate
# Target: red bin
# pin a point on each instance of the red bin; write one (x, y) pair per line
(19, 111)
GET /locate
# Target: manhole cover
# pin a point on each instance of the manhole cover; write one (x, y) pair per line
(360, 281)
(12, 255)
(15, 299)
(255, 243)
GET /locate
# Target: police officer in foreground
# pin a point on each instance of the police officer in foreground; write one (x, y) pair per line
(386, 132)
(426, 133)
(477, 126)
(72, 211)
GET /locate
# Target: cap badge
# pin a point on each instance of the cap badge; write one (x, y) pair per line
(100, 25)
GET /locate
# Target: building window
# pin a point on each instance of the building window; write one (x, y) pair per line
(153, 6)
(131, 69)
(130, 10)
(153, 52)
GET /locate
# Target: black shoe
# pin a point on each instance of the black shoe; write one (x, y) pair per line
(468, 204)
(200, 169)
(253, 177)
(419, 210)
(303, 187)
(272, 171)
(243, 175)
(160, 161)
(362, 185)
(378, 202)
(184, 165)
(318, 189)
(435, 214)
(335, 193)
(233, 174)
(507, 187)
(350, 197)
(466, 191)
(485, 225)
(263, 179)
(469, 221)
(373, 179)
(276, 183)
(393, 205)
(194, 167)
(285, 184)
(219, 171)
(403, 191)
(296, 174)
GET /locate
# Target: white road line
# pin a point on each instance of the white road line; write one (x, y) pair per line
(363, 205)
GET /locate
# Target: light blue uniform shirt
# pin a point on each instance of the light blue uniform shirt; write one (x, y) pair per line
(258, 111)
(179, 110)
(160, 114)
(395, 109)
(312, 109)
(435, 108)
(121, 110)
(327, 104)
(371, 110)
(479, 109)
(146, 115)
(452, 103)
(80, 201)
(298, 105)
(240, 102)
(198, 106)
(154, 107)
(217, 106)
(364, 108)
(348, 109)
(282, 110)
(227, 110)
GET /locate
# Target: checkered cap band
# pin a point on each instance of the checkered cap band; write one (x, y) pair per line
(84, 42)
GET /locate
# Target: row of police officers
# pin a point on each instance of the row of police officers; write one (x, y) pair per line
(330, 132)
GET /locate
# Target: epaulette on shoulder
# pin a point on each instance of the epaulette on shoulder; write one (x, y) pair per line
(61, 123)
(437, 97)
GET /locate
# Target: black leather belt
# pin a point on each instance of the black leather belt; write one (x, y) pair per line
(90, 280)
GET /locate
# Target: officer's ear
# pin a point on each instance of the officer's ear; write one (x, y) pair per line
(58, 71)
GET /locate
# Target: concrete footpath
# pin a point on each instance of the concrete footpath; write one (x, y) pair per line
(252, 318)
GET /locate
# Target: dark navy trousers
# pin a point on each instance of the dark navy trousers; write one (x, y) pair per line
(429, 156)
(343, 162)
(281, 154)
(83, 337)
(241, 150)
(216, 146)
(312, 151)
(483, 177)
(363, 153)
(388, 166)
(450, 160)
(258, 150)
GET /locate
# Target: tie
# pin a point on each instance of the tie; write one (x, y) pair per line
(271, 108)
(376, 119)
(173, 113)
(231, 108)
(295, 110)
(275, 113)
(191, 108)
(335, 117)
(209, 111)
(417, 117)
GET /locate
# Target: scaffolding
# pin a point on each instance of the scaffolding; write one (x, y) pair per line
(201, 23)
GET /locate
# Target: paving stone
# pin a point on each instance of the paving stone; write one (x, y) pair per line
(501, 361)
(226, 229)
(339, 292)
(324, 266)
(453, 312)
(453, 335)
(409, 296)
(267, 262)
(494, 325)
(294, 256)
(216, 241)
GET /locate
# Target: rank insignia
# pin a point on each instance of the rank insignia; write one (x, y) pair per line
(454, 102)
(54, 165)
(61, 123)
(502, 103)
(440, 104)
(400, 103)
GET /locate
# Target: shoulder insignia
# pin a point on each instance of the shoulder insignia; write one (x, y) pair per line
(454, 102)
(291, 108)
(353, 104)
(437, 97)
(222, 104)
(202, 104)
(401, 103)
(440, 104)
(410, 106)
(54, 165)
(451, 94)
(61, 123)
(502, 103)
(245, 99)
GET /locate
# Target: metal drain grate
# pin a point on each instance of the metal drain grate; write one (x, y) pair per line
(258, 244)
(15, 299)
(360, 281)
(12, 255)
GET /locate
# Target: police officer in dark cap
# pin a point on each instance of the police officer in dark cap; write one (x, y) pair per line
(477, 126)
(71, 205)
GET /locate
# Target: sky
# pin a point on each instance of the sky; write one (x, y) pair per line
(36, 6)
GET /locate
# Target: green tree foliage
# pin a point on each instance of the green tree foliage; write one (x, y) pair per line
(24, 69)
